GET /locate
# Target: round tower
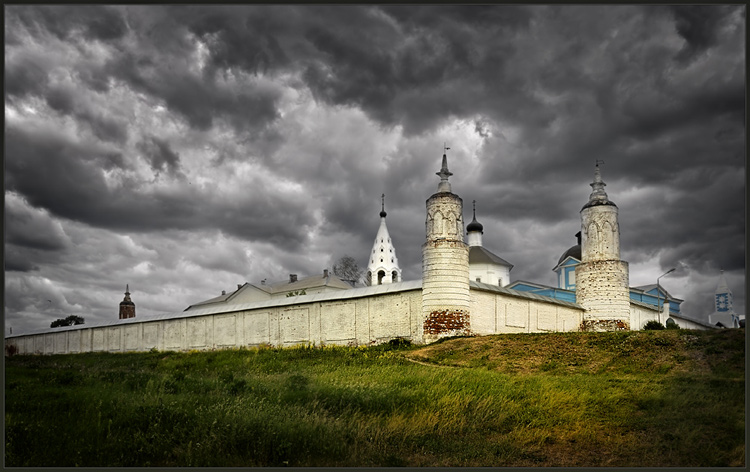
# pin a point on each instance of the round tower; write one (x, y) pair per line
(445, 264)
(383, 266)
(601, 277)
(127, 307)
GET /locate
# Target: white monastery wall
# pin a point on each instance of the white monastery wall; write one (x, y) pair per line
(499, 313)
(351, 320)
(363, 320)
(640, 315)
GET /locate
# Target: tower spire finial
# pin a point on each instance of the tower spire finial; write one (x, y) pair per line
(444, 185)
(474, 205)
(382, 206)
(598, 195)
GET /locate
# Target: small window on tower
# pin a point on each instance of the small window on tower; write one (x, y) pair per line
(500, 282)
(479, 279)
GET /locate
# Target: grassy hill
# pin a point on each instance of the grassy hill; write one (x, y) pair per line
(651, 398)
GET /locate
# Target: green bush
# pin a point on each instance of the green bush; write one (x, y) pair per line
(653, 324)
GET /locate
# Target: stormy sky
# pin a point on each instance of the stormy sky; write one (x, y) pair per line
(186, 149)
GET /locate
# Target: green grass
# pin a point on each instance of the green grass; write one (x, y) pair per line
(655, 398)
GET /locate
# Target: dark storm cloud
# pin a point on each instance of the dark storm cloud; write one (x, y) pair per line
(200, 100)
(67, 102)
(698, 25)
(68, 180)
(29, 228)
(94, 22)
(160, 155)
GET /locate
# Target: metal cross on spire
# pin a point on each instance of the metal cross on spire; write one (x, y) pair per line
(382, 206)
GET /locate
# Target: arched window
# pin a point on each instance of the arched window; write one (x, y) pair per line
(394, 276)
(381, 274)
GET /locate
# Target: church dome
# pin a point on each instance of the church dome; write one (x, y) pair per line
(474, 226)
(574, 251)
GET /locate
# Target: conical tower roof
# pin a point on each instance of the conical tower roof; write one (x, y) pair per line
(383, 254)
(127, 300)
(598, 195)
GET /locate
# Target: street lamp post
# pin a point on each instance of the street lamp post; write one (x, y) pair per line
(658, 295)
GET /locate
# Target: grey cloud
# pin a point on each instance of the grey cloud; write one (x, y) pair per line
(94, 22)
(67, 102)
(67, 179)
(160, 155)
(31, 228)
(24, 75)
(698, 25)
(17, 260)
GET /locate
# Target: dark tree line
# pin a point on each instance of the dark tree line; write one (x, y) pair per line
(70, 320)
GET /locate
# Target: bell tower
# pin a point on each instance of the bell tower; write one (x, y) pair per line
(127, 307)
(601, 277)
(383, 266)
(445, 264)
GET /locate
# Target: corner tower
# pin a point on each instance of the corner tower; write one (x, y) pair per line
(127, 307)
(383, 267)
(445, 264)
(601, 277)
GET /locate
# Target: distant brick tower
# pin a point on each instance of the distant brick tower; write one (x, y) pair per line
(127, 307)
(601, 277)
(445, 265)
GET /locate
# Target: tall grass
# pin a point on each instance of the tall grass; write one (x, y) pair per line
(583, 399)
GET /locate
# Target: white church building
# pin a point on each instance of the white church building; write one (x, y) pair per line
(464, 290)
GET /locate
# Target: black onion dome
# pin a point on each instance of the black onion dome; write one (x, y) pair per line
(574, 251)
(383, 214)
(474, 226)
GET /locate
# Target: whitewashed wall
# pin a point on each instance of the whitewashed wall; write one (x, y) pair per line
(640, 315)
(364, 320)
(330, 319)
(503, 313)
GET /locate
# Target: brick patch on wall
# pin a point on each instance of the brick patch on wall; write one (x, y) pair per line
(447, 322)
(604, 325)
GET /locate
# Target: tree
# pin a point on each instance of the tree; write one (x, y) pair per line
(347, 269)
(70, 320)
(653, 324)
